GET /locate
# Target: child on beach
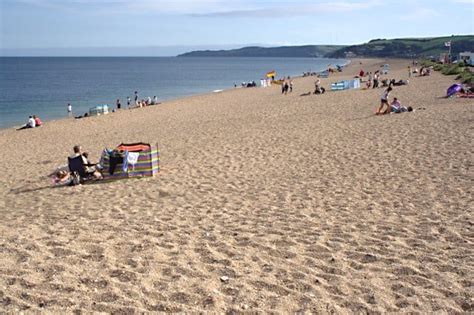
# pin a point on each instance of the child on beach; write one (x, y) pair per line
(384, 101)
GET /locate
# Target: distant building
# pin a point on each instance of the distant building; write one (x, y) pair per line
(467, 57)
(350, 54)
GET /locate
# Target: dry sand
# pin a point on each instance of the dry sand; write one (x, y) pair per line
(306, 203)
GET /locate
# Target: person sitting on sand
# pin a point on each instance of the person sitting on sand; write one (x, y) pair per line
(384, 101)
(30, 124)
(318, 89)
(90, 168)
(38, 121)
(396, 107)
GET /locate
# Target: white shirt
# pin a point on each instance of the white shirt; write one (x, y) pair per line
(31, 122)
(69, 108)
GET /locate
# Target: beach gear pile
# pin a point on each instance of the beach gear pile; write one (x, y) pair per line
(130, 160)
(99, 110)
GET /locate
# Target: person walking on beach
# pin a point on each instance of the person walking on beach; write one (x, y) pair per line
(384, 101)
(136, 97)
(69, 109)
(291, 86)
(128, 102)
(118, 104)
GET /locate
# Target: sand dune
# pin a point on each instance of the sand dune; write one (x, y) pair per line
(305, 203)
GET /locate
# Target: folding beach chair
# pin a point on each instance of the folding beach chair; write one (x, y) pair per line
(77, 166)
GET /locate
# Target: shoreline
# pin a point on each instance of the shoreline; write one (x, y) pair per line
(112, 105)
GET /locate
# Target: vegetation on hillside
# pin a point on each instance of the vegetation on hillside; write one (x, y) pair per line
(407, 47)
(377, 48)
(462, 71)
(307, 51)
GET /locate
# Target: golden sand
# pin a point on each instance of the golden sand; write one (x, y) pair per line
(265, 202)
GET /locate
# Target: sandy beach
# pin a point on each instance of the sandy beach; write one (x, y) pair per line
(264, 203)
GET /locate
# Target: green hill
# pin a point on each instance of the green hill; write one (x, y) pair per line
(406, 47)
(283, 51)
(397, 48)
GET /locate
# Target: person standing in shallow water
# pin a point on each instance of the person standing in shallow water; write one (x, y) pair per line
(118, 104)
(69, 109)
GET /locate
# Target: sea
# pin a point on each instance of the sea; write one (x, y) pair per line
(43, 86)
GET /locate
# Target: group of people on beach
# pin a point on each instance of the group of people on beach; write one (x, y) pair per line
(373, 79)
(140, 103)
(118, 104)
(424, 71)
(386, 107)
(33, 122)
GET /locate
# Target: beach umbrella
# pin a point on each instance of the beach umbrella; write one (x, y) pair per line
(453, 89)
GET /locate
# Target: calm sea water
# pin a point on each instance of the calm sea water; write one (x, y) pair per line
(43, 86)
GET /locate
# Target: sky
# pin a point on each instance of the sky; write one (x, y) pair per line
(164, 28)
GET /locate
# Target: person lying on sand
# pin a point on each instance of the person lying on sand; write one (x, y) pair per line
(62, 178)
(83, 116)
(397, 108)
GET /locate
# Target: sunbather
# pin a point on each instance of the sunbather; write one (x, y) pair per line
(30, 124)
(397, 108)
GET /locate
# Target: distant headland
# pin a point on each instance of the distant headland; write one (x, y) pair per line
(378, 48)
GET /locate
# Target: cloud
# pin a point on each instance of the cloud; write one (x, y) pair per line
(296, 8)
(207, 8)
(420, 14)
